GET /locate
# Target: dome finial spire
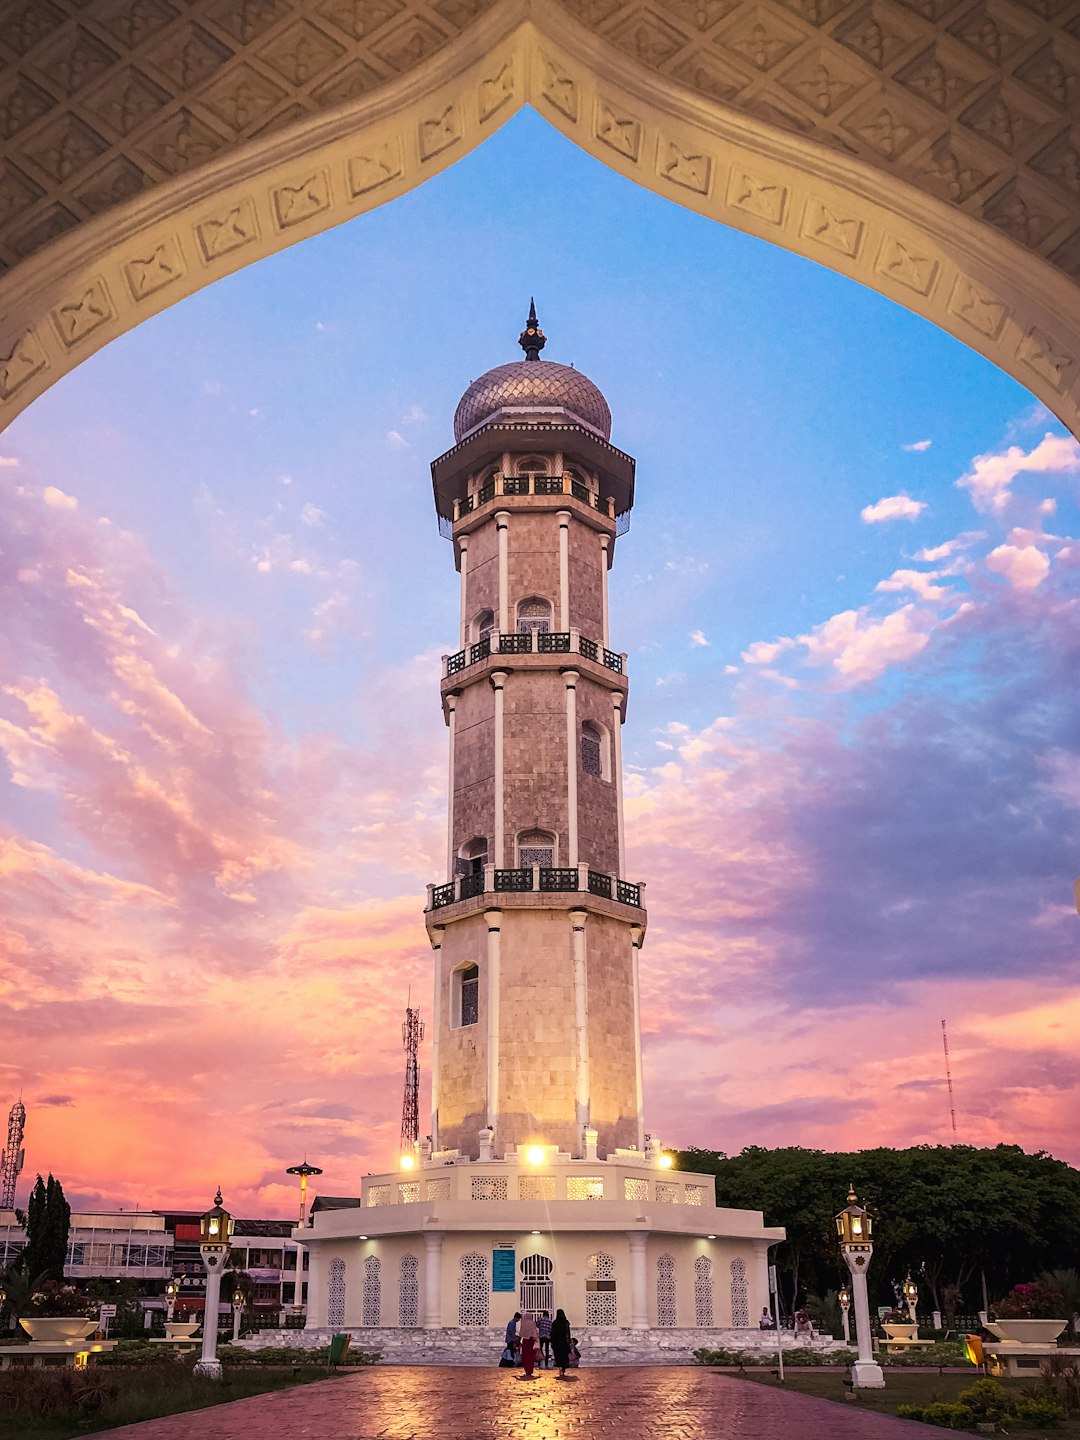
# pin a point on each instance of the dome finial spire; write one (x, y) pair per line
(532, 339)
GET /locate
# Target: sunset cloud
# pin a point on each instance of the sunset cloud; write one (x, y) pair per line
(991, 476)
(892, 507)
(860, 648)
(1024, 566)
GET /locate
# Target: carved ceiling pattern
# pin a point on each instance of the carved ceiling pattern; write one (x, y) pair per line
(977, 104)
(927, 148)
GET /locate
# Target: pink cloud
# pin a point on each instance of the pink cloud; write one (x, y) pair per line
(892, 507)
(860, 649)
(1023, 566)
(991, 476)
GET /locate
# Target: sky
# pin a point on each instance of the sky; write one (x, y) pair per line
(849, 597)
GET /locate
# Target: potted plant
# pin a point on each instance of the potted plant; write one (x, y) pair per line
(897, 1325)
(1028, 1314)
(57, 1313)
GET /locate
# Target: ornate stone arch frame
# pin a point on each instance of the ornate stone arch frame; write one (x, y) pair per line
(996, 294)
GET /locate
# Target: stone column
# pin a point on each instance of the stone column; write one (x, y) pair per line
(581, 1022)
(637, 935)
(494, 952)
(639, 1280)
(502, 525)
(463, 551)
(436, 1015)
(866, 1373)
(451, 720)
(617, 776)
(759, 1281)
(571, 678)
(605, 551)
(498, 682)
(432, 1317)
(564, 570)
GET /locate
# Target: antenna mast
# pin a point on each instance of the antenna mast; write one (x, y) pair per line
(948, 1076)
(11, 1161)
(412, 1032)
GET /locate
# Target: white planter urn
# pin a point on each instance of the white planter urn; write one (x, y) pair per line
(57, 1329)
(180, 1329)
(900, 1332)
(1027, 1332)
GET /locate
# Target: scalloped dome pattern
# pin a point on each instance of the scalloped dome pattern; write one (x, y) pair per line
(532, 382)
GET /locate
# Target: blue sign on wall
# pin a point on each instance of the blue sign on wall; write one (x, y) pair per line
(504, 1270)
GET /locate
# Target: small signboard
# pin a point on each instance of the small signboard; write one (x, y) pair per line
(504, 1270)
(107, 1312)
(772, 1279)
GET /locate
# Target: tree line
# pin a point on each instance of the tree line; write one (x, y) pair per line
(954, 1215)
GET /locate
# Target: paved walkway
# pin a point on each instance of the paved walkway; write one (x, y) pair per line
(429, 1403)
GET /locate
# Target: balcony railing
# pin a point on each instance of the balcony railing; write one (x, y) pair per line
(525, 879)
(546, 642)
(537, 485)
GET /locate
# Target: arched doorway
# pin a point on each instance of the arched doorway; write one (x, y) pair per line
(536, 1290)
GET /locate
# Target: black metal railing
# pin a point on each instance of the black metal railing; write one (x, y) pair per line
(486, 493)
(516, 484)
(548, 642)
(548, 485)
(536, 485)
(523, 879)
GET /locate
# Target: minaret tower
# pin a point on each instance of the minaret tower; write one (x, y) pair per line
(536, 930)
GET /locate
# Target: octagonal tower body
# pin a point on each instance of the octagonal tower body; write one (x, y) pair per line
(536, 929)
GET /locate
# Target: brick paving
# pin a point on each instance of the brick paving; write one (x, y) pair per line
(431, 1403)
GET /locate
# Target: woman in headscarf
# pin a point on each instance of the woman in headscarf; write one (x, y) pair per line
(529, 1335)
(560, 1341)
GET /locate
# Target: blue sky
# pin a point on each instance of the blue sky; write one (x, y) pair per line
(262, 454)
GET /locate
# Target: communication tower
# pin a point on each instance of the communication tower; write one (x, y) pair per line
(412, 1032)
(948, 1077)
(11, 1161)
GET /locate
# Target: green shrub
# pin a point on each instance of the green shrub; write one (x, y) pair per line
(285, 1355)
(1041, 1412)
(989, 1399)
(139, 1352)
(945, 1414)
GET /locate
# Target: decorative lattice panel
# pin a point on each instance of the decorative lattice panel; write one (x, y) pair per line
(703, 1291)
(409, 1192)
(740, 1294)
(490, 1187)
(600, 1308)
(635, 1190)
(379, 1195)
(438, 1189)
(409, 1291)
(536, 1187)
(542, 855)
(600, 1267)
(335, 1295)
(473, 1290)
(667, 1193)
(584, 1187)
(665, 1290)
(590, 755)
(372, 1309)
(694, 1195)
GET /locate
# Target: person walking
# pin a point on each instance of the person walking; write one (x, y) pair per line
(530, 1344)
(512, 1340)
(560, 1342)
(544, 1326)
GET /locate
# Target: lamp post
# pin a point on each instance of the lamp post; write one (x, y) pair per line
(303, 1170)
(215, 1233)
(172, 1289)
(845, 1305)
(911, 1296)
(238, 1310)
(3, 1302)
(854, 1226)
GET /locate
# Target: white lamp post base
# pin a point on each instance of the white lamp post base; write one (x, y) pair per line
(211, 1369)
(867, 1375)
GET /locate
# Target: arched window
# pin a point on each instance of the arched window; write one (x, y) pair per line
(536, 847)
(409, 1292)
(371, 1314)
(335, 1295)
(665, 1290)
(482, 625)
(740, 1295)
(703, 1306)
(600, 1297)
(534, 615)
(536, 1292)
(473, 1290)
(472, 857)
(595, 750)
(532, 465)
(465, 996)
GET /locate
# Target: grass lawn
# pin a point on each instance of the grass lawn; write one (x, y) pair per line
(901, 1388)
(145, 1393)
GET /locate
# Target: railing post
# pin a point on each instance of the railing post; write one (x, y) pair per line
(536, 878)
(583, 877)
(489, 878)
(431, 897)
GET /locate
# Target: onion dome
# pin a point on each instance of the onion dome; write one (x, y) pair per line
(532, 384)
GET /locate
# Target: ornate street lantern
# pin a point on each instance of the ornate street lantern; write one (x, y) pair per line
(854, 1226)
(215, 1238)
(911, 1296)
(844, 1297)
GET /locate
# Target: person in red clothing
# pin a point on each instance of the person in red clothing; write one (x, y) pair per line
(530, 1344)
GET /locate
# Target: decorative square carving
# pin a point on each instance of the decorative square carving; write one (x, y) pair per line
(359, 18)
(189, 56)
(223, 233)
(21, 103)
(822, 80)
(689, 168)
(440, 132)
(992, 31)
(558, 88)
(760, 39)
(951, 169)
(944, 75)
(711, 75)
(888, 128)
(74, 59)
(1003, 119)
(349, 83)
(901, 262)
(246, 20)
(1060, 162)
(17, 193)
(180, 142)
(765, 199)
(978, 306)
(836, 231)
(46, 225)
(148, 273)
(127, 100)
(815, 12)
(77, 318)
(295, 203)
(618, 130)
(242, 97)
(1055, 77)
(19, 362)
(410, 43)
(648, 38)
(28, 24)
(702, 14)
(878, 33)
(1042, 354)
(301, 53)
(132, 23)
(496, 91)
(381, 163)
(1023, 214)
(65, 147)
(116, 182)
